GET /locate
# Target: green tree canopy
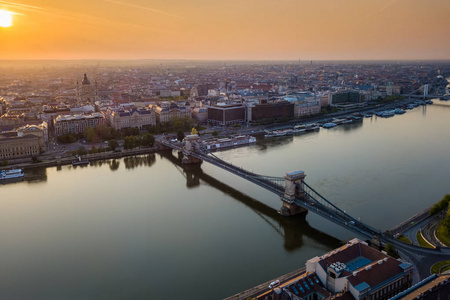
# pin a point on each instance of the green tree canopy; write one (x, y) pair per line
(180, 135)
(113, 144)
(89, 134)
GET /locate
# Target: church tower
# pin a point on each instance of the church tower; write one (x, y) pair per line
(87, 92)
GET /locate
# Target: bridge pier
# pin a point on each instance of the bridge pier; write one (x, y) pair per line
(190, 146)
(291, 192)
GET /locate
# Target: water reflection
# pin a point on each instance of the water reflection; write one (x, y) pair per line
(35, 175)
(292, 229)
(355, 125)
(132, 162)
(273, 142)
(114, 164)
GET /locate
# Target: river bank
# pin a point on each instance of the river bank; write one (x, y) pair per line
(59, 160)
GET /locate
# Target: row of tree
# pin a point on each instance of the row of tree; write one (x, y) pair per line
(442, 205)
(132, 141)
(106, 133)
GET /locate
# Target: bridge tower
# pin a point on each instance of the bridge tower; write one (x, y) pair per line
(425, 91)
(190, 146)
(292, 192)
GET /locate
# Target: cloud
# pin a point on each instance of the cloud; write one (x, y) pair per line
(142, 7)
(64, 14)
(390, 3)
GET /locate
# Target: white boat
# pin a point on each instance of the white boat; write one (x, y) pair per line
(13, 173)
(79, 162)
(241, 140)
(312, 126)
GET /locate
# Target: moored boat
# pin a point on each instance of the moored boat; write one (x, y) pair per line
(329, 125)
(10, 174)
(79, 162)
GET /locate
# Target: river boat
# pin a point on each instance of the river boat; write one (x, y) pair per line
(368, 115)
(428, 102)
(329, 125)
(399, 111)
(11, 174)
(445, 97)
(312, 127)
(338, 121)
(80, 162)
(299, 129)
(386, 113)
(240, 140)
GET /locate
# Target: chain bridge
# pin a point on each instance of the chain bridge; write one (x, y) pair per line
(297, 197)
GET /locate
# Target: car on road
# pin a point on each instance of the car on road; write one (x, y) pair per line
(274, 284)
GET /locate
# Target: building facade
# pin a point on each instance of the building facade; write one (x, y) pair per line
(269, 110)
(307, 108)
(121, 118)
(41, 131)
(77, 123)
(17, 147)
(344, 97)
(166, 111)
(226, 114)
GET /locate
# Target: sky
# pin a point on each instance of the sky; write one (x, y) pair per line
(227, 29)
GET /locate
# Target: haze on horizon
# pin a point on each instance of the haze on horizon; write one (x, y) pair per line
(227, 29)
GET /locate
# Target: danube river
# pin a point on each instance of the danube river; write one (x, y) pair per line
(145, 228)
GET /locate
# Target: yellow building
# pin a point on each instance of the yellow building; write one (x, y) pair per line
(17, 147)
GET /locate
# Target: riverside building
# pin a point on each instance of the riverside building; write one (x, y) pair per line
(353, 271)
(77, 123)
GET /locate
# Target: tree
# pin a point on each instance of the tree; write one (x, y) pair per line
(67, 138)
(147, 140)
(391, 250)
(81, 150)
(178, 125)
(129, 142)
(104, 132)
(113, 144)
(441, 205)
(180, 135)
(89, 134)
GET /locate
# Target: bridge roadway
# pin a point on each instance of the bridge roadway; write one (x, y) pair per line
(422, 258)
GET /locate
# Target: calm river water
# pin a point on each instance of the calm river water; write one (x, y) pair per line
(145, 228)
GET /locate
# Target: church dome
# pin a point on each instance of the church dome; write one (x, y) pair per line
(85, 80)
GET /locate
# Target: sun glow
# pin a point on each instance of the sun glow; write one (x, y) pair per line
(5, 18)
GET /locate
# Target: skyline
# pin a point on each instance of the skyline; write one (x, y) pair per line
(232, 30)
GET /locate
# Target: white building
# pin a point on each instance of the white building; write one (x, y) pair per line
(77, 123)
(127, 118)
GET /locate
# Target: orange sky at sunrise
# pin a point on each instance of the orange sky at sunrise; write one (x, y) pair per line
(227, 29)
